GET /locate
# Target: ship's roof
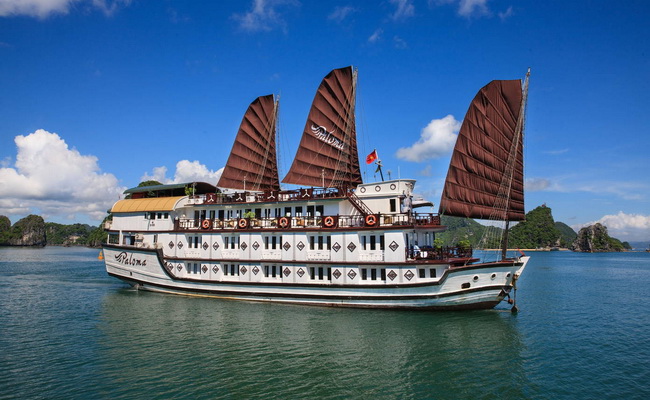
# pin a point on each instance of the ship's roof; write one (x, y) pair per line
(199, 187)
(151, 204)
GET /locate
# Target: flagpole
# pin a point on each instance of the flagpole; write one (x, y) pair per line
(379, 169)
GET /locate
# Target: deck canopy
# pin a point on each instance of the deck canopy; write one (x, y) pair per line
(176, 189)
(143, 205)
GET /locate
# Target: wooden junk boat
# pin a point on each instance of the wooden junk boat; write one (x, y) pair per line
(336, 241)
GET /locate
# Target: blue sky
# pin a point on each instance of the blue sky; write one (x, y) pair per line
(96, 95)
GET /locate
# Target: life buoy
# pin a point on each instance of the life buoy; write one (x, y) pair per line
(206, 224)
(328, 221)
(283, 222)
(371, 220)
(242, 223)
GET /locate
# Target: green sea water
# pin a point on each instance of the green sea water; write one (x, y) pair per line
(68, 331)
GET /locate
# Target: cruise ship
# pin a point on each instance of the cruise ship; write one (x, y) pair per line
(331, 240)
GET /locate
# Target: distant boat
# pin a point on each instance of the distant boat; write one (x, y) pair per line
(336, 241)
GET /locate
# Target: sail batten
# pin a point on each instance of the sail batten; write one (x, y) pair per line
(252, 164)
(485, 177)
(327, 153)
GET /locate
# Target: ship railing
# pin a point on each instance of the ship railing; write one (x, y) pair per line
(302, 194)
(308, 221)
(438, 253)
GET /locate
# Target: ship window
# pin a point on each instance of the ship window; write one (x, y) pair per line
(312, 239)
(393, 205)
(271, 270)
(113, 238)
(224, 268)
(432, 273)
(287, 211)
(155, 238)
(329, 274)
(381, 242)
(320, 243)
(320, 273)
(373, 242)
(373, 274)
(383, 274)
(363, 242)
(329, 242)
(465, 285)
(298, 211)
(166, 215)
(421, 273)
(319, 211)
(312, 273)
(226, 241)
(310, 211)
(196, 242)
(364, 274)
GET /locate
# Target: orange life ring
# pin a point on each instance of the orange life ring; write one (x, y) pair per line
(206, 224)
(242, 223)
(283, 222)
(328, 221)
(371, 220)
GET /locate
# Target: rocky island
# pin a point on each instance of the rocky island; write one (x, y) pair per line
(595, 239)
(29, 231)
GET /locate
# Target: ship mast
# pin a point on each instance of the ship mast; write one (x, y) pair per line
(504, 192)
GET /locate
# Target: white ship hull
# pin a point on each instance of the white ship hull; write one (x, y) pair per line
(479, 286)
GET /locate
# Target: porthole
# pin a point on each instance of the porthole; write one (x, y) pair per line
(377, 188)
(362, 190)
(475, 278)
(393, 186)
(465, 285)
(508, 276)
(493, 276)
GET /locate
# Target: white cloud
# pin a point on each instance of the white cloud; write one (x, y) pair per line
(341, 13)
(503, 15)
(45, 8)
(427, 171)
(436, 140)
(473, 8)
(404, 9)
(537, 184)
(399, 42)
(53, 180)
(626, 227)
(376, 35)
(263, 15)
(186, 171)
(556, 152)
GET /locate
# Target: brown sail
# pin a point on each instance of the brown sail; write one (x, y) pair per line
(327, 155)
(486, 173)
(252, 164)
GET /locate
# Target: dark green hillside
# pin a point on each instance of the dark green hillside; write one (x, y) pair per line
(538, 231)
(567, 234)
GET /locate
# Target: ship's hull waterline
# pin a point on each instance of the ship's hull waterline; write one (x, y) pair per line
(471, 287)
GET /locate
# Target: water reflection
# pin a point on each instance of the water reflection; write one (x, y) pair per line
(193, 347)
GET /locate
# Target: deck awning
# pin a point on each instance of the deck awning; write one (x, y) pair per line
(140, 205)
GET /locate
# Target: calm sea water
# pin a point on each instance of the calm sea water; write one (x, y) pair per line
(68, 331)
